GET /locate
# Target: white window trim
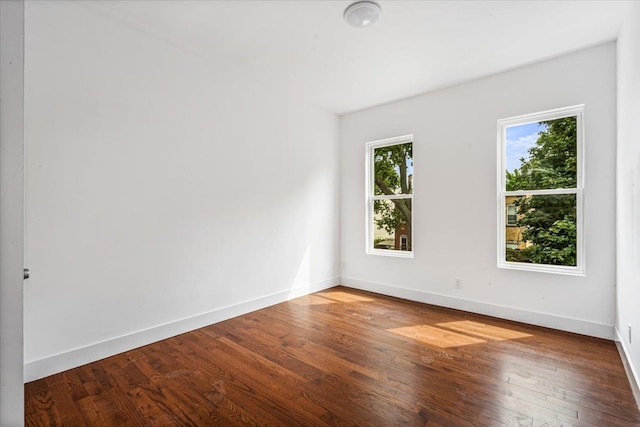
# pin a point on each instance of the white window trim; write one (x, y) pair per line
(578, 112)
(369, 197)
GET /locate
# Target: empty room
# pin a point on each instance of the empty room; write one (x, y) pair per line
(307, 213)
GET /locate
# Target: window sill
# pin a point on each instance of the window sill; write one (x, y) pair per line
(555, 269)
(390, 253)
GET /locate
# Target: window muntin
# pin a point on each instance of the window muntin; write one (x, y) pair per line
(390, 197)
(540, 175)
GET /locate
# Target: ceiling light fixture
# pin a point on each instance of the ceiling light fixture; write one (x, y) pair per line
(362, 14)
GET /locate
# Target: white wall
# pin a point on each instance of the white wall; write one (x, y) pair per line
(11, 214)
(164, 191)
(455, 195)
(628, 188)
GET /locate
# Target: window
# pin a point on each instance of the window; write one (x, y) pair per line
(390, 197)
(540, 186)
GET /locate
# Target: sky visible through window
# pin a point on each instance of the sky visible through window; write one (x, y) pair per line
(409, 168)
(519, 139)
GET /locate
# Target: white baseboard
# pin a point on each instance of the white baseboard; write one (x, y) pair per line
(36, 369)
(547, 320)
(632, 373)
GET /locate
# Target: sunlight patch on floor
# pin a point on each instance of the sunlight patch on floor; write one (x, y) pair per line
(439, 337)
(330, 297)
(344, 297)
(483, 330)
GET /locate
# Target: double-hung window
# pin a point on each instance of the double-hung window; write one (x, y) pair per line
(540, 186)
(390, 196)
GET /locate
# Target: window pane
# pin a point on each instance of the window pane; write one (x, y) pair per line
(545, 231)
(393, 169)
(542, 155)
(392, 224)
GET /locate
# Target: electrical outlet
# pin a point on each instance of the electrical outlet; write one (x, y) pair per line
(629, 333)
(458, 283)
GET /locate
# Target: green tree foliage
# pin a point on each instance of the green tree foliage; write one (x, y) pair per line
(548, 222)
(391, 171)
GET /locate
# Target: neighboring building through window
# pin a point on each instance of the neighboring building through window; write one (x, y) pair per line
(404, 242)
(390, 197)
(511, 215)
(540, 179)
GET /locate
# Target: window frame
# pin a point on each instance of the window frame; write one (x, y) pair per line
(558, 113)
(370, 196)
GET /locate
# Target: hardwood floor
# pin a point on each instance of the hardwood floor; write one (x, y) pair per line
(346, 357)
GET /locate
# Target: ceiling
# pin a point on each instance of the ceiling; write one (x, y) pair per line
(418, 46)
